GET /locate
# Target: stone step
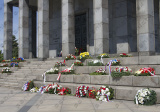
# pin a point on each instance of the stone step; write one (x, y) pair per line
(24, 76)
(37, 67)
(141, 60)
(134, 81)
(120, 92)
(90, 69)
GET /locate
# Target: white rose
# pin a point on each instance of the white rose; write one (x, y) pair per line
(108, 94)
(107, 89)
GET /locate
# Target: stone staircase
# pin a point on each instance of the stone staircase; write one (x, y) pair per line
(28, 71)
(125, 88)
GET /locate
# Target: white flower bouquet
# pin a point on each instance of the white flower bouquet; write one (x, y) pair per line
(145, 97)
(104, 94)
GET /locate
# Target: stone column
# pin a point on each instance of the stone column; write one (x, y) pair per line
(32, 34)
(43, 29)
(68, 30)
(101, 26)
(145, 27)
(7, 44)
(24, 28)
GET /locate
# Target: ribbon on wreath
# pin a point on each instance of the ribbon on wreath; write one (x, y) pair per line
(149, 70)
(62, 91)
(109, 64)
(66, 70)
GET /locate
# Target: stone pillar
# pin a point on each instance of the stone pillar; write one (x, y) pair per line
(68, 30)
(145, 27)
(8, 16)
(32, 34)
(101, 26)
(24, 28)
(43, 29)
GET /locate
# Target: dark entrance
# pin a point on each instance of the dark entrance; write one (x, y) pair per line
(81, 32)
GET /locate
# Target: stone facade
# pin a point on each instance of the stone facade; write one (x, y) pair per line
(111, 26)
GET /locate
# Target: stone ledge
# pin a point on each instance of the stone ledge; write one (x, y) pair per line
(147, 81)
(66, 78)
(132, 81)
(83, 79)
(123, 81)
(97, 79)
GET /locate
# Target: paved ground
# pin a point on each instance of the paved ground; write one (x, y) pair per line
(17, 101)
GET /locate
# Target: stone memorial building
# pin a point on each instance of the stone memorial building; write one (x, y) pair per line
(96, 26)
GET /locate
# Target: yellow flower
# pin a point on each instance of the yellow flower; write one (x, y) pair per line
(103, 54)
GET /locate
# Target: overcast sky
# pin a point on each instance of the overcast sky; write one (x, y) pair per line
(15, 22)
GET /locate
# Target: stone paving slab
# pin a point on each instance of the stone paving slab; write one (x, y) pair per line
(35, 102)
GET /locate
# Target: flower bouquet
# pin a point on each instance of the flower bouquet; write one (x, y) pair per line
(64, 91)
(145, 72)
(83, 56)
(4, 65)
(58, 64)
(121, 71)
(52, 71)
(82, 91)
(6, 61)
(92, 93)
(145, 97)
(124, 55)
(34, 90)
(17, 59)
(114, 62)
(42, 89)
(78, 63)
(53, 88)
(14, 64)
(95, 63)
(104, 94)
(104, 55)
(76, 51)
(28, 86)
(99, 72)
(6, 70)
(70, 57)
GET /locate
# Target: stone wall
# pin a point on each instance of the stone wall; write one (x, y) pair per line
(55, 28)
(122, 26)
(156, 22)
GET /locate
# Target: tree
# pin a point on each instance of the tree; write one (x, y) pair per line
(14, 47)
(1, 55)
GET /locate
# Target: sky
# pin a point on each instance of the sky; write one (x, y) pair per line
(15, 22)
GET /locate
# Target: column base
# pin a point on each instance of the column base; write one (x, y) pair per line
(146, 53)
(42, 59)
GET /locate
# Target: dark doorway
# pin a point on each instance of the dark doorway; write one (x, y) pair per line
(81, 32)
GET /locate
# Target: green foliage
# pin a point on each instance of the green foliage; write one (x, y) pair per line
(14, 47)
(115, 64)
(120, 74)
(1, 56)
(71, 72)
(84, 58)
(144, 74)
(68, 91)
(6, 72)
(78, 63)
(51, 90)
(95, 64)
(99, 57)
(31, 85)
(55, 72)
(98, 73)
